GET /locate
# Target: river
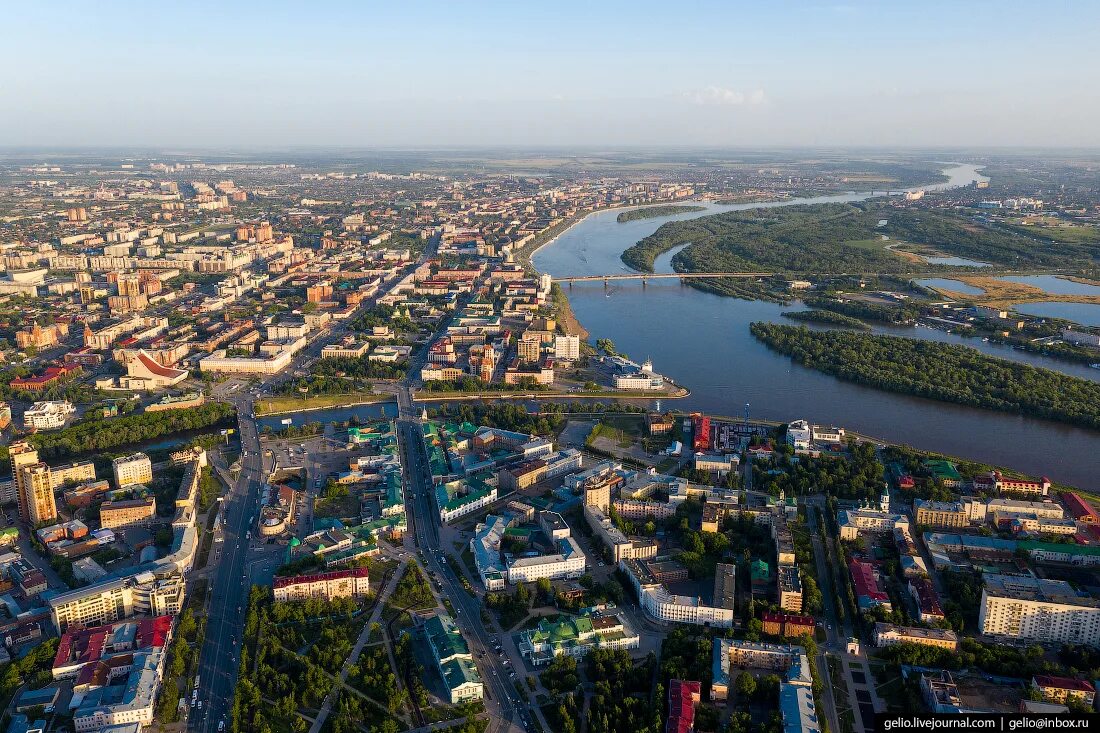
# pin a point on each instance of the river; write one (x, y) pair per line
(702, 341)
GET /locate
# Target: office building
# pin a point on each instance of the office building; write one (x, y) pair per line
(453, 659)
(49, 415)
(143, 594)
(940, 514)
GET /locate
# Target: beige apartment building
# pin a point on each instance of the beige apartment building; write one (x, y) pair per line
(131, 513)
(132, 470)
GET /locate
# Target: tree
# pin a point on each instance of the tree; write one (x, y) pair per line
(745, 685)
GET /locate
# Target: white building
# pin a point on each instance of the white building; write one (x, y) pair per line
(101, 707)
(643, 380)
(567, 562)
(49, 415)
(659, 603)
(485, 545)
(567, 348)
(1039, 609)
(869, 519)
(575, 637)
(132, 470)
(563, 462)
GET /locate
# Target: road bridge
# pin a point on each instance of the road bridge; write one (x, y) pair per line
(659, 276)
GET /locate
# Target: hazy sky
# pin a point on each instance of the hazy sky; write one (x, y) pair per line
(408, 73)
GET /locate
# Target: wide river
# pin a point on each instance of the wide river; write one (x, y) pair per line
(703, 341)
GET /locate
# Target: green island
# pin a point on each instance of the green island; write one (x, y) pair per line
(827, 317)
(945, 372)
(841, 238)
(895, 315)
(652, 212)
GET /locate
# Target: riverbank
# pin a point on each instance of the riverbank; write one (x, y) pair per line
(680, 393)
(290, 404)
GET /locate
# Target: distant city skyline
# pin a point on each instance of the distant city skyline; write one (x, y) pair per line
(596, 74)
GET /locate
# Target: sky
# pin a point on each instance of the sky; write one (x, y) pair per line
(422, 73)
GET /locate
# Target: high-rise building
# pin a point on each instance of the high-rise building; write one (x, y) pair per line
(22, 454)
(131, 470)
(37, 493)
(529, 347)
(567, 348)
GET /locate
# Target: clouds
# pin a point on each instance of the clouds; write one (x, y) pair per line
(714, 96)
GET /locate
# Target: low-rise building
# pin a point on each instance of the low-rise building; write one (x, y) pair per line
(49, 415)
(732, 653)
(783, 624)
(575, 637)
(1064, 689)
(940, 514)
(621, 546)
(453, 659)
(354, 583)
(868, 586)
(889, 635)
(661, 604)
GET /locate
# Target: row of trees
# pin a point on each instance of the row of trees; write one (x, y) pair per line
(896, 315)
(98, 433)
(827, 317)
(945, 372)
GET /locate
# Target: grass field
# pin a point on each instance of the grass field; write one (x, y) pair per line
(1004, 294)
(294, 403)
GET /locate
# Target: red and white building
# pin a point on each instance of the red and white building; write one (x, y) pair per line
(352, 583)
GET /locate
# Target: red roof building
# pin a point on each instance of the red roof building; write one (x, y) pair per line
(1061, 689)
(1081, 510)
(700, 432)
(785, 624)
(927, 599)
(682, 696)
(46, 379)
(83, 646)
(336, 584)
(868, 591)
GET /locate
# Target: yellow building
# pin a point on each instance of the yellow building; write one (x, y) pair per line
(889, 634)
(132, 513)
(941, 514)
(21, 454)
(131, 470)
